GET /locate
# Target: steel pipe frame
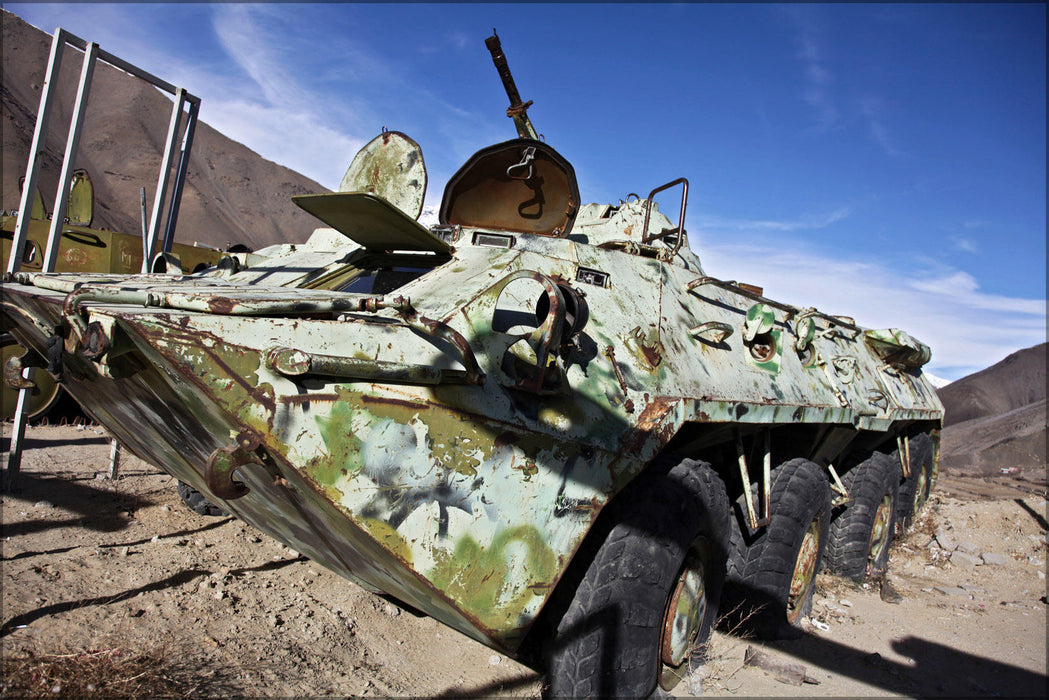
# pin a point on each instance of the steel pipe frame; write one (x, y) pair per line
(92, 53)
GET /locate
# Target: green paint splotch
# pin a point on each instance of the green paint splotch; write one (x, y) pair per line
(343, 447)
(478, 578)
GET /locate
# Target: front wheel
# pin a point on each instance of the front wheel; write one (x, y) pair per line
(649, 596)
(198, 502)
(772, 574)
(861, 531)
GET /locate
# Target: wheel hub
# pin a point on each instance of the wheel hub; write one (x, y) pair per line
(920, 491)
(684, 616)
(880, 531)
(804, 571)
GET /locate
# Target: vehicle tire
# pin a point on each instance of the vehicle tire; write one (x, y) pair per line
(915, 489)
(861, 531)
(772, 573)
(198, 502)
(648, 598)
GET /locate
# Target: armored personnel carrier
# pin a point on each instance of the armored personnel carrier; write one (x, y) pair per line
(539, 421)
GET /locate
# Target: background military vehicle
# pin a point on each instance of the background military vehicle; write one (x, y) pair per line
(81, 249)
(538, 421)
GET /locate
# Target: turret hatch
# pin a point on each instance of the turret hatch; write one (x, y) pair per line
(521, 185)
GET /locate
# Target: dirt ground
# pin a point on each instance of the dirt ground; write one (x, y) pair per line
(94, 568)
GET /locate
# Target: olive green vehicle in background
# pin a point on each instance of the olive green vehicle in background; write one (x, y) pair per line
(539, 421)
(82, 249)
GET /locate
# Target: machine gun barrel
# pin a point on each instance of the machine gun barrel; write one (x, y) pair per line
(518, 110)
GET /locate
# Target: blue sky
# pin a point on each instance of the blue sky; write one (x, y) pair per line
(886, 162)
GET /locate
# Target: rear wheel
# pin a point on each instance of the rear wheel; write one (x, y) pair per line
(649, 596)
(861, 531)
(772, 574)
(914, 490)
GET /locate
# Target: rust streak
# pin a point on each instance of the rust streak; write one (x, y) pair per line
(309, 398)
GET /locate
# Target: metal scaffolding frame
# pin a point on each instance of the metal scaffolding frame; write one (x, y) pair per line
(151, 238)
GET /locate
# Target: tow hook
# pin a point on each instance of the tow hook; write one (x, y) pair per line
(224, 461)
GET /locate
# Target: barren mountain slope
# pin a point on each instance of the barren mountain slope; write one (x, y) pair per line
(232, 194)
(996, 418)
(1016, 381)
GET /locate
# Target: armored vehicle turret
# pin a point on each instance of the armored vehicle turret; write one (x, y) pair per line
(540, 421)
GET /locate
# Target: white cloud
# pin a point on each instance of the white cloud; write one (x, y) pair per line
(275, 114)
(872, 110)
(967, 328)
(818, 77)
(965, 244)
(804, 223)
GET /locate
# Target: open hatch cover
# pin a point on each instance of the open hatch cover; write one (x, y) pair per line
(371, 221)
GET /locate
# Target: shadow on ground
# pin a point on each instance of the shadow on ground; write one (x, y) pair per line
(99, 509)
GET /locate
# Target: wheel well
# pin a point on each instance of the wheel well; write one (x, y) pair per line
(841, 445)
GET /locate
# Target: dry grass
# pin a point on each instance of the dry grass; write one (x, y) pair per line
(106, 673)
(710, 663)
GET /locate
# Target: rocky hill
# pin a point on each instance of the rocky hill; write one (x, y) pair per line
(996, 418)
(232, 194)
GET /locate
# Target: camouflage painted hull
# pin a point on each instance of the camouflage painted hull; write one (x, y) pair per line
(400, 451)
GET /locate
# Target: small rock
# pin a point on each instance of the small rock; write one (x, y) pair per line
(219, 595)
(969, 548)
(951, 591)
(922, 540)
(945, 540)
(889, 594)
(391, 610)
(155, 538)
(124, 551)
(493, 660)
(166, 508)
(846, 603)
(1041, 575)
(963, 560)
(56, 688)
(42, 504)
(994, 559)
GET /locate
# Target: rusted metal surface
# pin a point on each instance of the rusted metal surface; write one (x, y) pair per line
(684, 616)
(450, 435)
(391, 167)
(804, 575)
(881, 531)
(518, 110)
